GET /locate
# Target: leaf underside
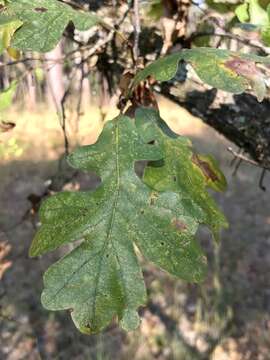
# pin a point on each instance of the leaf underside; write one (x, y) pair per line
(156, 216)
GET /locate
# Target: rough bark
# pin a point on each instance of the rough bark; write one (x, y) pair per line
(243, 121)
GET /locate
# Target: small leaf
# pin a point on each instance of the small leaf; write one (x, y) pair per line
(242, 12)
(252, 12)
(257, 15)
(44, 22)
(8, 26)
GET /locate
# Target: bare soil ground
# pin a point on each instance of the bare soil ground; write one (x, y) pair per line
(225, 318)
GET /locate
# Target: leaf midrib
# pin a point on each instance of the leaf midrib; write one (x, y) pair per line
(111, 222)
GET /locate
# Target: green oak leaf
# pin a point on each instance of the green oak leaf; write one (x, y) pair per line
(101, 279)
(44, 22)
(182, 171)
(211, 65)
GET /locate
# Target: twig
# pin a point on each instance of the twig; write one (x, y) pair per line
(262, 179)
(137, 30)
(79, 103)
(246, 159)
(237, 166)
(62, 116)
(63, 120)
(92, 50)
(238, 38)
(231, 36)
(242, 158)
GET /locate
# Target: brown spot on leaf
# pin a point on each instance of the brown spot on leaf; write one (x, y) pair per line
(41, 9)
(179, 224)
(252, 74)
(153, 198)
(205, 168)
(242, 67)
(6, 126)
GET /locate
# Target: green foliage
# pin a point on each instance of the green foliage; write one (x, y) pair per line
(222, 69)
(101, 278)
(222, 7)
(183, 171)
(6, 96)
(155, 9)
(242, 12)
(204, 28)
(8, 26)
(43, 23)
(252, 12)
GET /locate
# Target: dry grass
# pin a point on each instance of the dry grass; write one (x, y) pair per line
(39, 134)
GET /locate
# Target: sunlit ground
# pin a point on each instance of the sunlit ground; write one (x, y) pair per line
(40, 129)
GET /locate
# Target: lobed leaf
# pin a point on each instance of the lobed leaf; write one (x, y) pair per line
(43, 22)
(101, 278)
(213, 68)
(183, 171)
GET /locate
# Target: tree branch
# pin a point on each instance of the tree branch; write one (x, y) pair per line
(137, 29)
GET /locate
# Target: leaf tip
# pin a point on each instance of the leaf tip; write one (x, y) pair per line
(130, 320)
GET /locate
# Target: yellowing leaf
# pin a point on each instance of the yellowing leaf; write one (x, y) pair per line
(14, 53)
(8, 26)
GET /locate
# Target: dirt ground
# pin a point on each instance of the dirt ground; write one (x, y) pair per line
(225, 318)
